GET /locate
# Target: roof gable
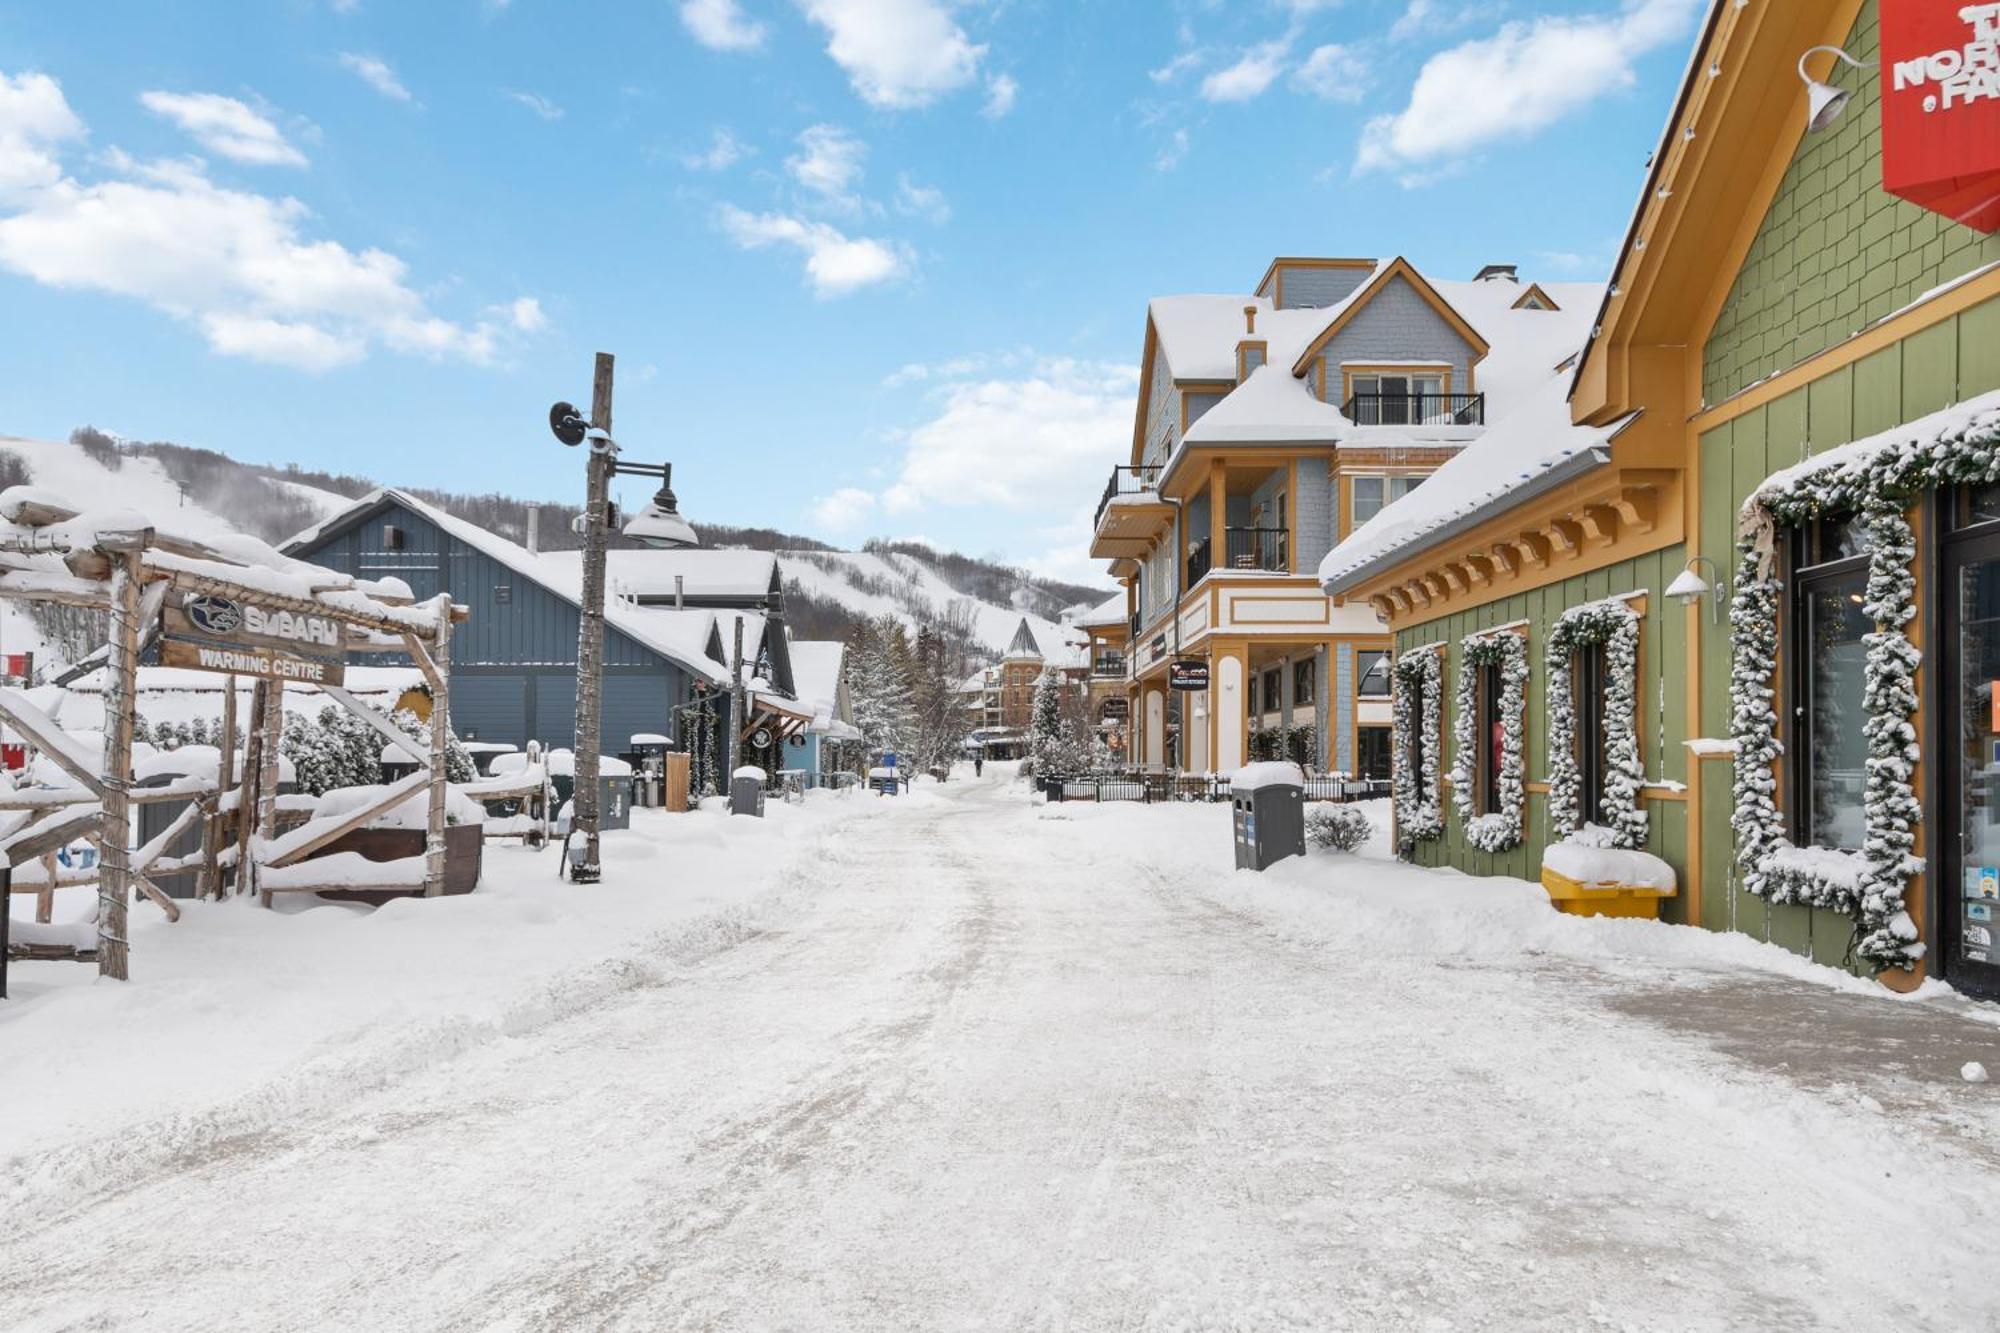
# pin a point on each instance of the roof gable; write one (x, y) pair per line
(1396, 268)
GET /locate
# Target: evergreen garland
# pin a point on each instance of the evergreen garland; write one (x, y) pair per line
(1417, 795)
(1501, 830)
(1877, 483)
(1616, 626)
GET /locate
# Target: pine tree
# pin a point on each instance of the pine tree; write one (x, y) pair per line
(1051, 742)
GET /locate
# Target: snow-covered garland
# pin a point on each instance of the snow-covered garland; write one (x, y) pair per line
(1616, 626)
(1877, 485)
(1419, 695)
(1502, 830)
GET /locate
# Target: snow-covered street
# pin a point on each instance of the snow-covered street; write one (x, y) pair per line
(992, 1064)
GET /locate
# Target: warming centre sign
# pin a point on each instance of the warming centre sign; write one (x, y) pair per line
(1941, 107)
(239, 636)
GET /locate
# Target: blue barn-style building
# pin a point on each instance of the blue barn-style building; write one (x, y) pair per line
(513, 662)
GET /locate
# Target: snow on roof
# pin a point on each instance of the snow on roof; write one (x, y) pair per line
(1979, 415)
(1272, 406)
(739, 573)
(1525, 346)
(1528, 442)
(1110, 611)
(1199, 333)
(682, 636)
(816, 667)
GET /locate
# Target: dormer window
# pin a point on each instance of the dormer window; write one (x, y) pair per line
(1382, 399)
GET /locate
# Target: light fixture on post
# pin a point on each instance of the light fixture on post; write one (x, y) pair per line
(658, 524)
(1689, 587)
(1824, 102)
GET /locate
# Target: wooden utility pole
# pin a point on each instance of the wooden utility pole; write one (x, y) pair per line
(737, 721)
(590, 631)
(437, 672)
(114, 869)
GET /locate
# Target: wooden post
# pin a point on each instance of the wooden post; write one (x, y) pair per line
(114, 874)
(45, 901)
(270, 726)
(210, 885)
(440, 683)
(246, 788)
(590, 631)
(737, 707)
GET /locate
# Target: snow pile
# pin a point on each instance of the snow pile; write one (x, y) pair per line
(562, 764)
(749, 771)
(1270, 773)
(413, 813)
(1597, 865)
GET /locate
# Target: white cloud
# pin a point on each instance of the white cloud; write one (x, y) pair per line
(1001, 90)
(897, 53)
(721, 25)
(1176, 67)
(1013, 442)
(845, 510)
(35, 121)
(375, 72)
(836, 264)
(1333, 73)
(1522, 79)
(724, 150)
(1172, 154)
(525, 314)
(226, 126)
(829, 164)
(921, 201)
(1249, 78)
(239, 266)
(536, 103)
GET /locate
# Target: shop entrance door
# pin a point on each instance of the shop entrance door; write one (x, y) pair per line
(1968, 891)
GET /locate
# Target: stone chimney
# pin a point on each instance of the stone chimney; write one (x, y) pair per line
(534, 529)
(1506, 271)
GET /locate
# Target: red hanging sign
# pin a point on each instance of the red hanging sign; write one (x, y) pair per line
(1941, 107)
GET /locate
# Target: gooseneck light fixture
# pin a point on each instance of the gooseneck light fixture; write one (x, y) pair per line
(1689, 587)
(1824, 102)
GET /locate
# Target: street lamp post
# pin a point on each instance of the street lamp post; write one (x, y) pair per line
(658, 525)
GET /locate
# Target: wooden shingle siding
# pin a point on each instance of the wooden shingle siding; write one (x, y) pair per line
(1397, 326)
(1315, 287)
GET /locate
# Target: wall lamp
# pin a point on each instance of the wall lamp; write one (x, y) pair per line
(1689, 587)
(1824, 102)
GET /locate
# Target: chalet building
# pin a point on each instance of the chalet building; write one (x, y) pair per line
(1001, 698)
(1268, 427)
(1735, 604)
(1107, 630)
(514, 662)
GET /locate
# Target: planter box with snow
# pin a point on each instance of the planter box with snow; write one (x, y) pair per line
(464, 846)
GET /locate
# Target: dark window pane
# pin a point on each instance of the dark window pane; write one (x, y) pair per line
(1834, 751)
(1590, 732)
(1373, 667)
(1978, 504)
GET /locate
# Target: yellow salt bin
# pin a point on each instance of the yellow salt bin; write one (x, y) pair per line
(1605, 881)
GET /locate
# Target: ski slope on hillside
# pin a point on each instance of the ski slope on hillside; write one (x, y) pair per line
(870, 583)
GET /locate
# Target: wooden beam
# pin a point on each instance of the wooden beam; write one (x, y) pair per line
(1480, 567)
(1566, 535)
(43, 733)
(1638, 508)
(294, 848)
(51, 834)
(189, 581)
(1599, 524)
(1507, 557)
(418, 654)
(1534, 549)
(382, 725)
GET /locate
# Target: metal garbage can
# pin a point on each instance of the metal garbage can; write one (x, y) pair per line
(746, 791)
(1268, 810)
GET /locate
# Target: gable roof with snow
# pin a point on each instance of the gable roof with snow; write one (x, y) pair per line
(1107, 614)
(728, 577)
(687, 638)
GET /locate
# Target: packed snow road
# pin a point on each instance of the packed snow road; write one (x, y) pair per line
(1013, 1067)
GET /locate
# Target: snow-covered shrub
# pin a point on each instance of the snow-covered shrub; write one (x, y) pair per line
(1340, 828)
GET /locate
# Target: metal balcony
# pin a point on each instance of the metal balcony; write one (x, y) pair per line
(1416, 409)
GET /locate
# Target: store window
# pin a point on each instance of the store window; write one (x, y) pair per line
(1486, 797)
(1302, 683)
(1373, 747)
(1590, 676)
(1250, 694)
(1371, 493)
(1373, 679)
(1273, 690)
(1828, 654)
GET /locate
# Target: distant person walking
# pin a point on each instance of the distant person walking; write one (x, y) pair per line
(979, 765)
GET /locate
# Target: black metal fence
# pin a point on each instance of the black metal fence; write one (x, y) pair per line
(1417, 409)
(1154, 788)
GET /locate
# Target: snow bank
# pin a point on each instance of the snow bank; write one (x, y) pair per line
(238, 1017)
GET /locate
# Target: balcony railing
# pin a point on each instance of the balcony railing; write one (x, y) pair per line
(1108, 664)
(1417, 409)
(1242, 548)
(1126, 479)
(1258, 548)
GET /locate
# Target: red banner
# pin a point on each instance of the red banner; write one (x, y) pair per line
(1941, 107)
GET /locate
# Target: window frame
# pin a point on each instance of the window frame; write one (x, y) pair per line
(1305, 683)
(1804, 574)
(1588, 673)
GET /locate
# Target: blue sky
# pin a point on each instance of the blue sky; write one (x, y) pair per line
(870, 267)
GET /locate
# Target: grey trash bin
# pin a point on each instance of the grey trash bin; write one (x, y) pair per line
(1268, 811)
(746, 792)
